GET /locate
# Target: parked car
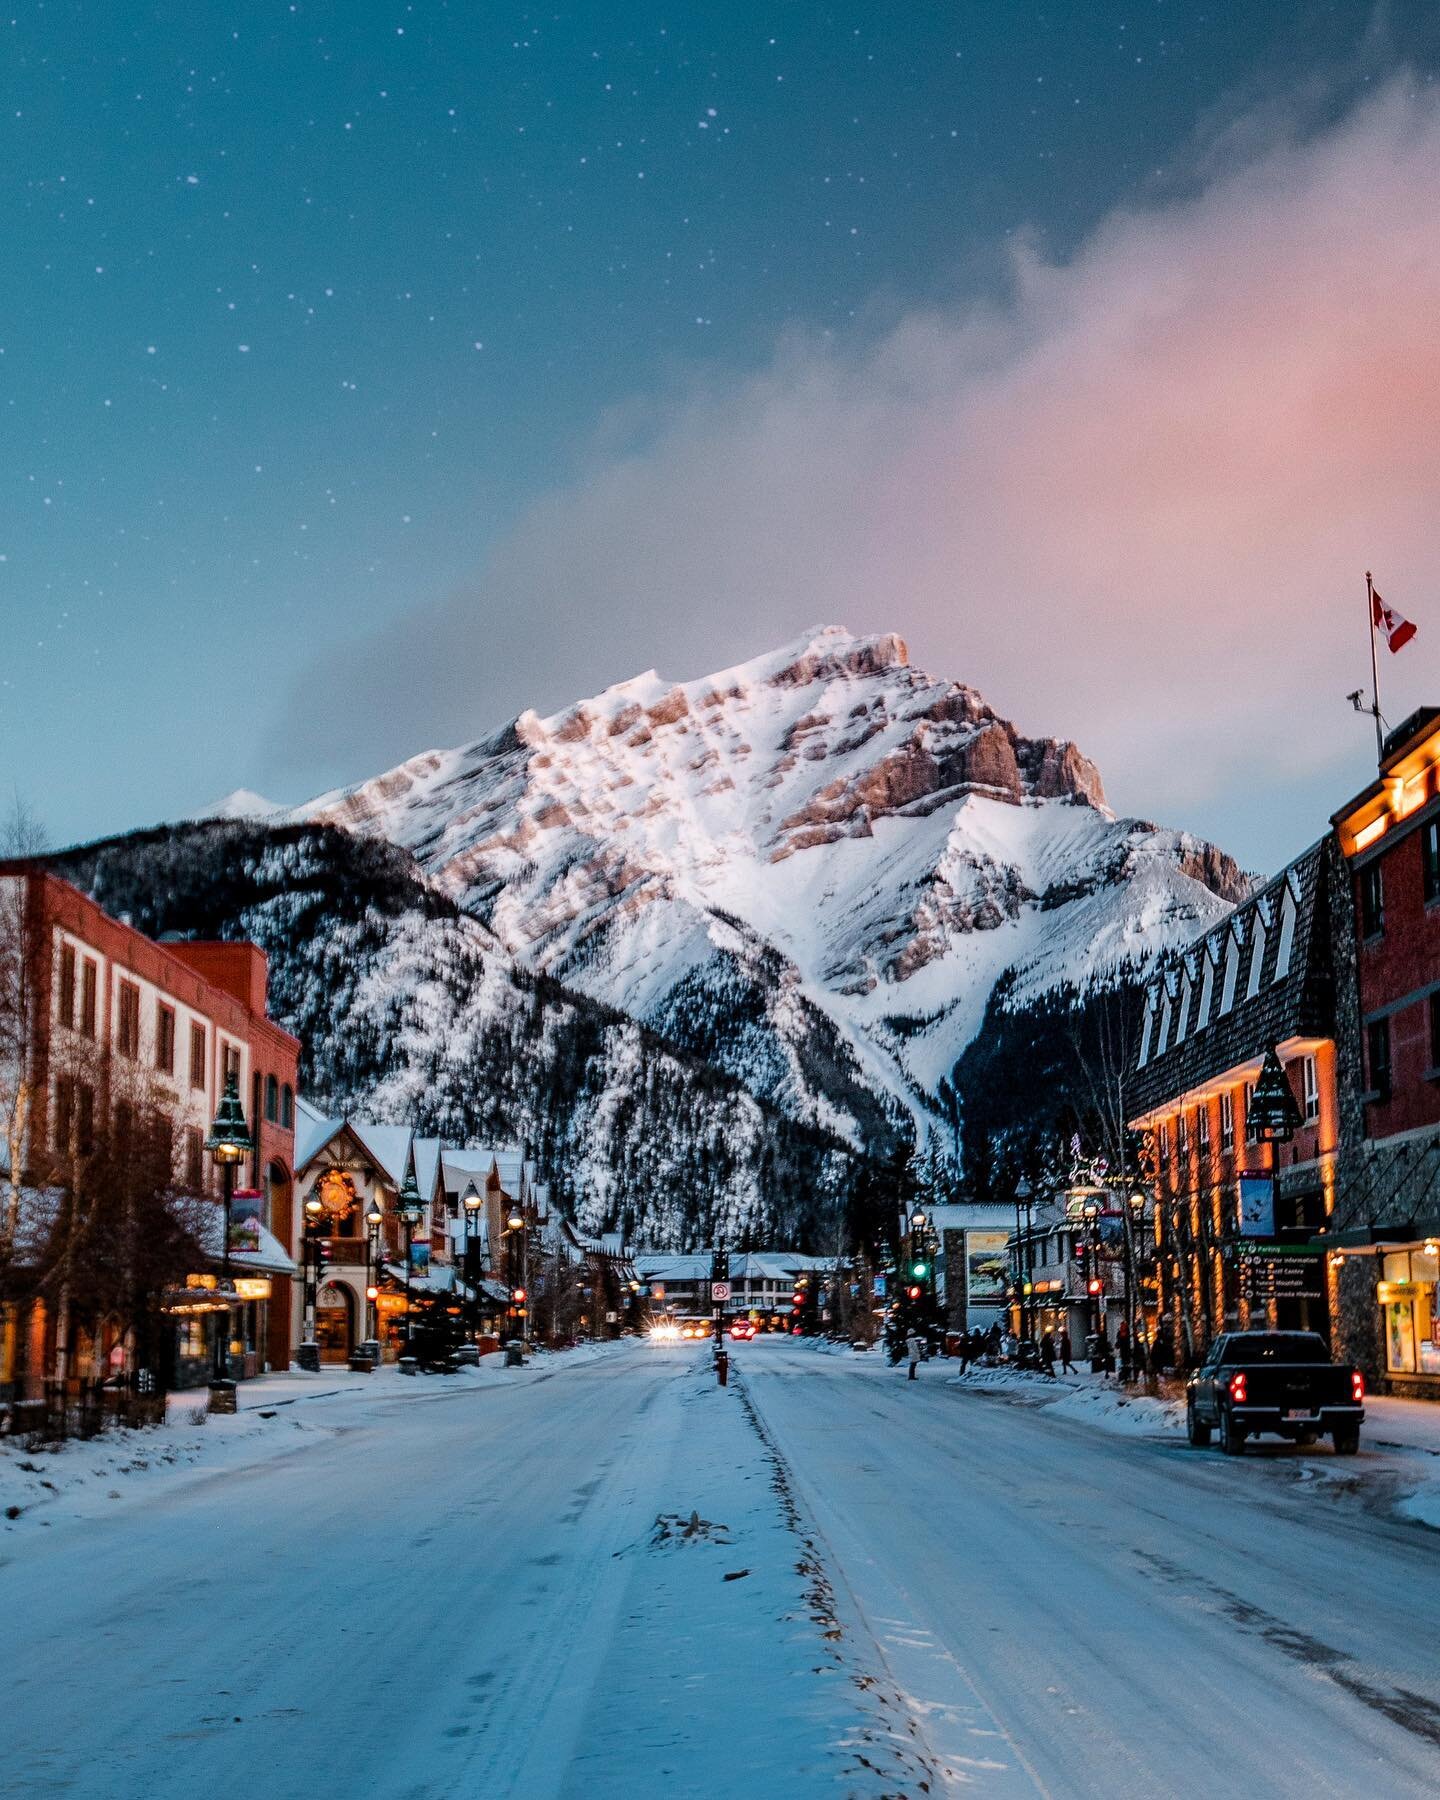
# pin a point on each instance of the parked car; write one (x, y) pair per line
(741, 1330)
(1277, 1381)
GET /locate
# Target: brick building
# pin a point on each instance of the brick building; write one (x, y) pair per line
(1386, 1229)
(1263, 978)
(114, 1020)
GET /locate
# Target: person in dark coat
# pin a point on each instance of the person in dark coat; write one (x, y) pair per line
(1066, 1366)
(1047, 1353)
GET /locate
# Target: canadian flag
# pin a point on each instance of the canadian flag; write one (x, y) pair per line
(1398, 631)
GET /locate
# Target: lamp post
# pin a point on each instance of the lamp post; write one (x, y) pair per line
(412, 1212)
(374, 1219)
(1024, 1196)
(472, 1203)
(1094, 1280)
(519, 1258)
(1134, 1219)
(229, 1143)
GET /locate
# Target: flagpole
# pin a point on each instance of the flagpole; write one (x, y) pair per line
(1374, 671)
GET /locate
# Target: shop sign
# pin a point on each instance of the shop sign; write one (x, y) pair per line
(390, 1303)
(202, 1281)
(252, 1287)
(985, 1264)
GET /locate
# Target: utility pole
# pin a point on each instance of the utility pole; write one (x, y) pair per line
(719, 1289)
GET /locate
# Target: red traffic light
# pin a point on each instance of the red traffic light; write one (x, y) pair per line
(517, 1295)
(1093, 1286)
(913, 1292)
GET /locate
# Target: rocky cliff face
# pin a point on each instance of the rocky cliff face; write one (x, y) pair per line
(813, 868)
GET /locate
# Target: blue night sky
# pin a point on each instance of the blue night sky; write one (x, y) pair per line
(326, 331)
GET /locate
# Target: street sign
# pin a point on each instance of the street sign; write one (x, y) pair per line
(719, 1290)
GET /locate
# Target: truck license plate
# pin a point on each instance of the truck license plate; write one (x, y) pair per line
(1299, 1412)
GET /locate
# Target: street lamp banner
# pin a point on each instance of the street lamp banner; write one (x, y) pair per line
(986, 1264)
(420, 1259)
(245, 1221)
(1257, 1206)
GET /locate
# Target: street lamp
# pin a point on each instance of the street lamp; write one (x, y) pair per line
(519, 1254)
(229, 1143)
(374, 1219)
(1134, 1220)
(1024, 1196)
(412, 1212)
(473, 1202)
(1091, 1214)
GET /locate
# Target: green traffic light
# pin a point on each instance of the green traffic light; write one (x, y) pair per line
(919, 1270)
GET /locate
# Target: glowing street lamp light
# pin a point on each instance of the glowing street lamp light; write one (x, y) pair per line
(229, 1143)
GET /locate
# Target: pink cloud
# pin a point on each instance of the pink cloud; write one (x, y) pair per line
(1134, 505)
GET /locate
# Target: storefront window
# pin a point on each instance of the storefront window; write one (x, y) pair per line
(1408, 1296)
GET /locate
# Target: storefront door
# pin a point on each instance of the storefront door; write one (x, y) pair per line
(334, 1326)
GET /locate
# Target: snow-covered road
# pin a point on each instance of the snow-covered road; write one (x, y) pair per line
(1102, 1615)
(603, 1576)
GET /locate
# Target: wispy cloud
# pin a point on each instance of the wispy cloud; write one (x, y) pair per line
(1134, 504)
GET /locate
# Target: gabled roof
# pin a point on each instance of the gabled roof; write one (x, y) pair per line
(313, 1131)
(388, 1146)
(427, 1153)
(1300, 1004)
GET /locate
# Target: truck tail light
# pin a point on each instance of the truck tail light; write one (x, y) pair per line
(1237, 1387)
(1357, 1385)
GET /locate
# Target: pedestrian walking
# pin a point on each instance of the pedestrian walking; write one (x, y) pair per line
(1066, 1366)
(915, 1350)
(964, 1351)
(1122, 1349)
(1047, 1353)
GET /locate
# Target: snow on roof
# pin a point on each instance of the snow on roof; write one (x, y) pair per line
(313, 1131)
(389, 1145)
(427, 1153)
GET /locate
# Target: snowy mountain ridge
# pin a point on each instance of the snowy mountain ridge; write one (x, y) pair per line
(813, 868)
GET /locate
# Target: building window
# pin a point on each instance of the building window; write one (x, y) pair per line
(1202, 1130)
(1372, 901)
(230, 1059)
(1309, 1089)
(1227, 1121)
(1377, 1057)
(1257, 958)
(287, 1107)
(1251, 1136)
(197, 1056)
(272, 1099)
(194, 1158)
(67, 984)
(1287, 936)
(1232, 972)
(89, 987)
(127, 1024)
(85, 1117)
(165, 1039)
(1182, 1137)
(1207, 991)
(1430, 853)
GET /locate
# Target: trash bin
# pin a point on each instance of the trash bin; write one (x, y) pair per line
(467, 1355)
(514, 1354)
(408, 1365)
(307, 1356)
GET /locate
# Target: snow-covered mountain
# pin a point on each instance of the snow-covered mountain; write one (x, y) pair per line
(812, 869)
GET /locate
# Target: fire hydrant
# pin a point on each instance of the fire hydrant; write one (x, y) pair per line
(722, 1366)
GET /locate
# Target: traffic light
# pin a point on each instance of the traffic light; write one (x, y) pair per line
(518, 1296)
(322, 1257)
(372, 1294)
(914, 1292)
(1094, 1285)
(919, 1270)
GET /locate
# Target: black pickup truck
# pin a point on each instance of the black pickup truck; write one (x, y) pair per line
(1279, 1381)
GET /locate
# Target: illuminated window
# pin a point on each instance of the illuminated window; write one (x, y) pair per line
(1202, 1129)
(1310, 1088)
(1372, 901)
(1227, 1121)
